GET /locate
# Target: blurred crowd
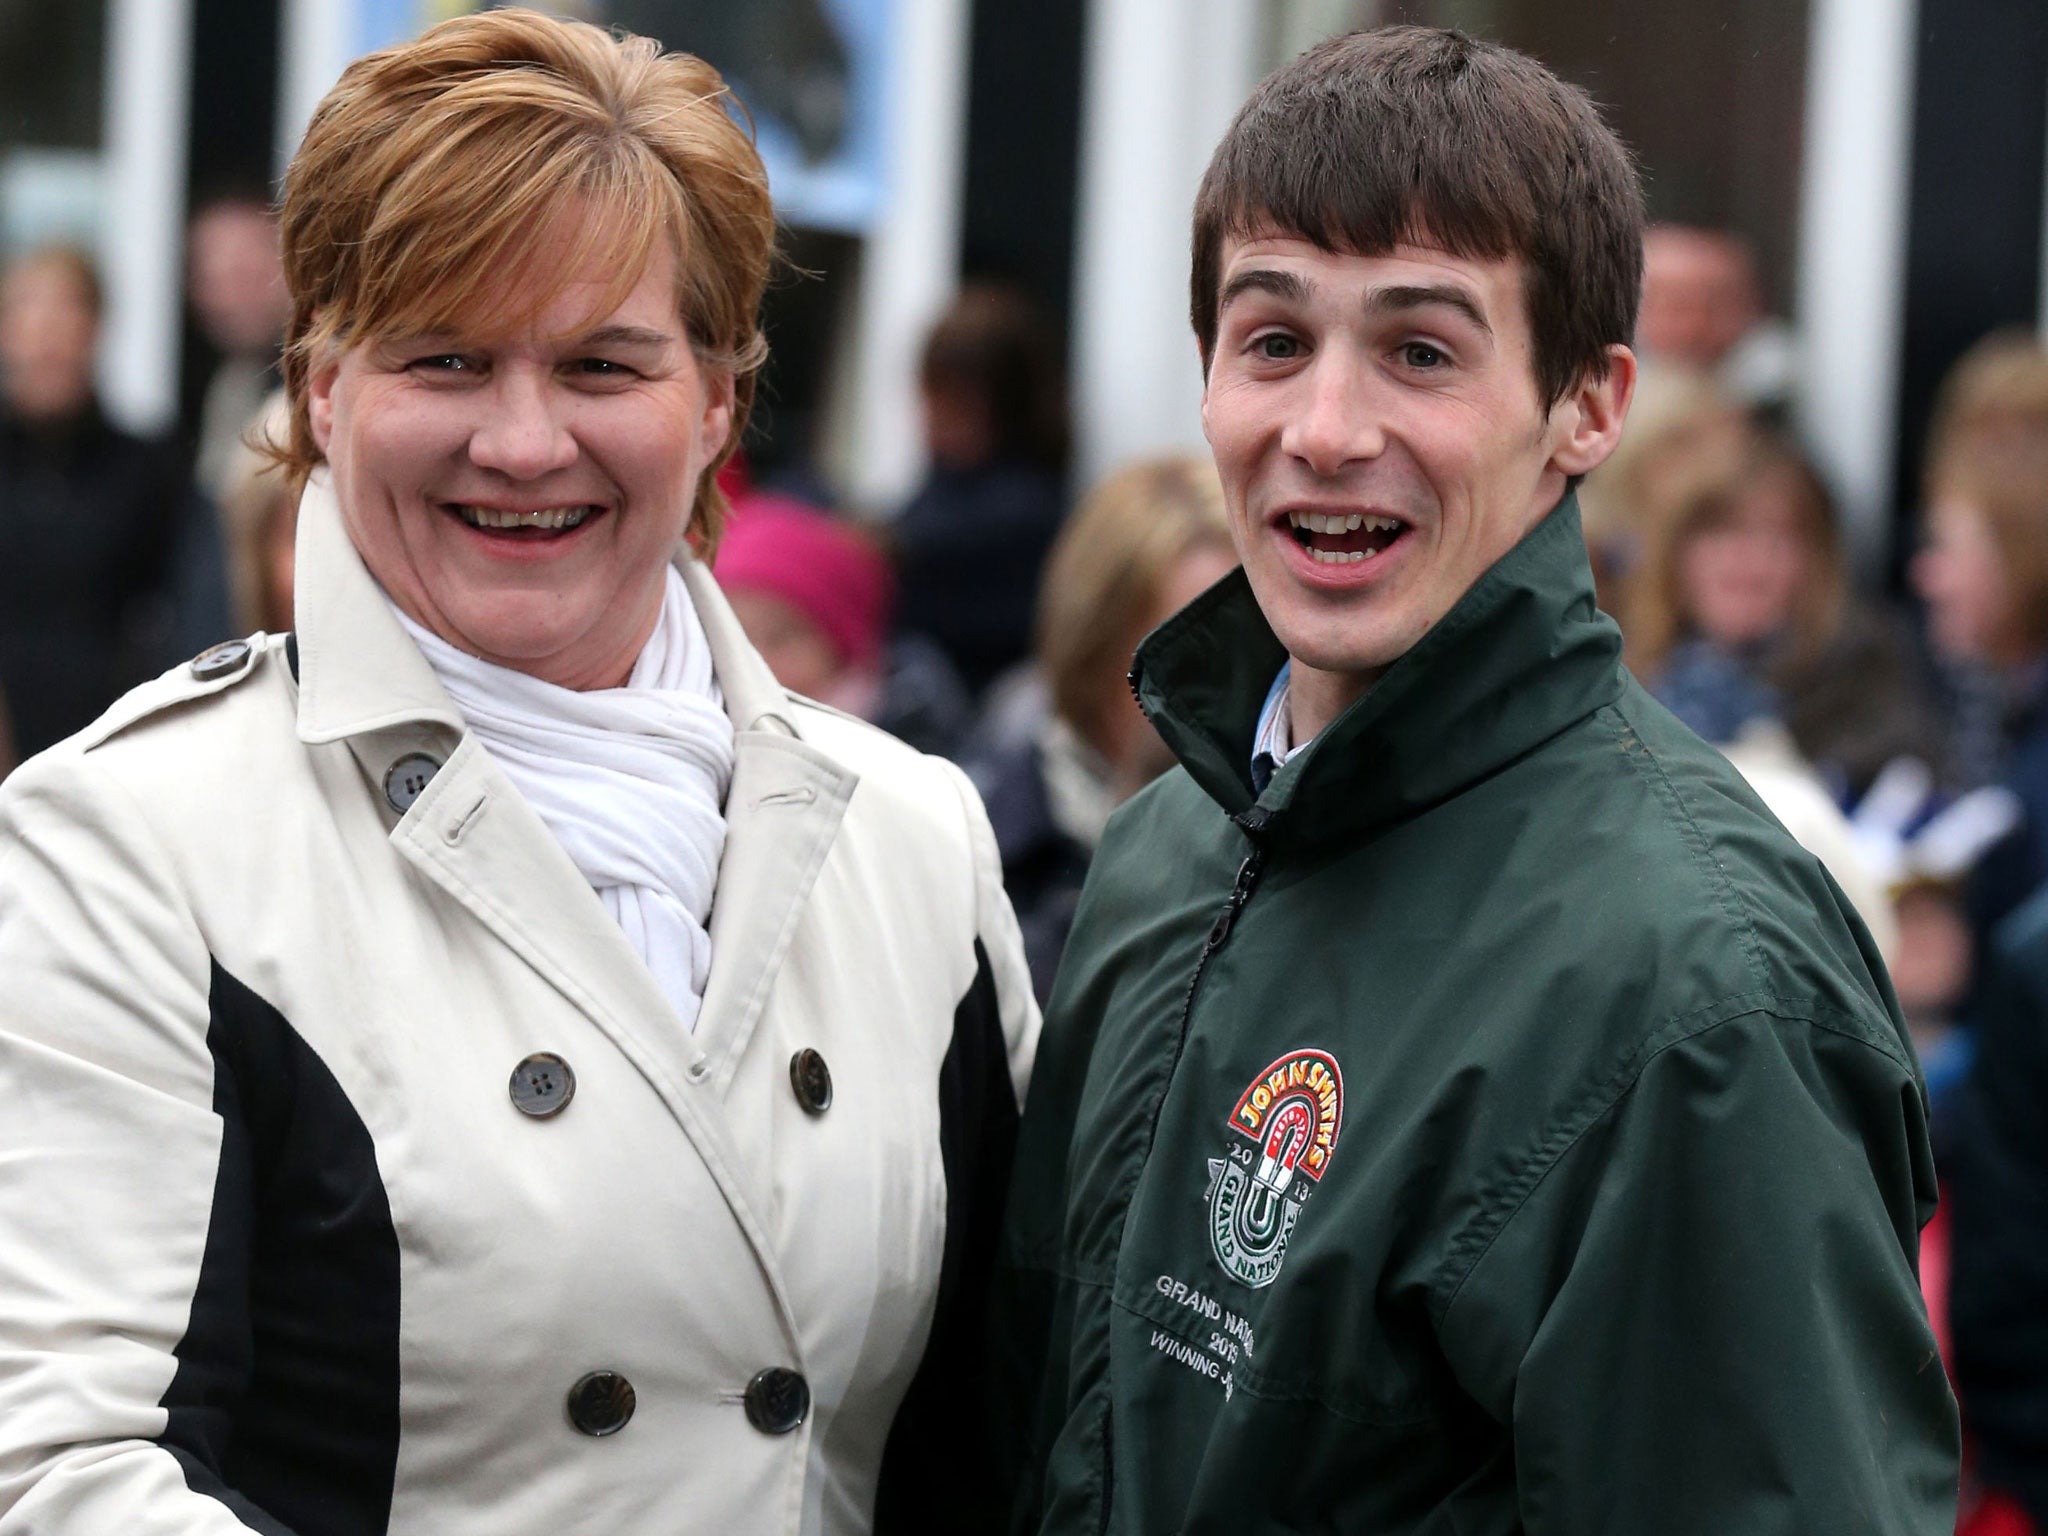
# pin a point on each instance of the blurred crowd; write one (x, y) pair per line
(1903, 736)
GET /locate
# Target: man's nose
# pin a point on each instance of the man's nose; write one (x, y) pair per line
(1337, 421)
(525, 432)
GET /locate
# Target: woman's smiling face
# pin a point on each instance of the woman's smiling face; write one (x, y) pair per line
(521, 496)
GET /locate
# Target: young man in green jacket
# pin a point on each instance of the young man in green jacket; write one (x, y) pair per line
(1462, 1107)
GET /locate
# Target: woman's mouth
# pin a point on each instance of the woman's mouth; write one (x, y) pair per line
(1344, 538)
(528, 523)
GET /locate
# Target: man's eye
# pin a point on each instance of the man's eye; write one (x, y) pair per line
(1420, 354)
(1276, 346)
(602, 368)
(445, 362)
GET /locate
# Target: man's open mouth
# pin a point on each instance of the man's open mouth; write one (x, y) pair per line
(1344, 538)
(536, 523)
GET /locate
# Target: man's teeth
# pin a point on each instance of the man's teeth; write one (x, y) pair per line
(1340, 522)
(546, 517)
(1338, 556)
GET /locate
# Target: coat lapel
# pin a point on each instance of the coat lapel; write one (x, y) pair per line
(781, 817)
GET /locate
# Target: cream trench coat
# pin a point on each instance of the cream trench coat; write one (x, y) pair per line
(280, 1252)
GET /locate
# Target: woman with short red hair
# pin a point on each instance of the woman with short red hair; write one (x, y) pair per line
(493, 1059)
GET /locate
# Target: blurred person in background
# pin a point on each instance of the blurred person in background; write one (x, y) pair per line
(1741, 610)
(815, 595)
(1703, 312)
(261, 517)
(1145, 543)
(234, 279)
(89, 515)
(1983, 575)
(1997, 1174)
(234, 284)
(1677, 422)
(971, 542)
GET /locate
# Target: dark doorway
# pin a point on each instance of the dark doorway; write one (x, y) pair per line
(1973, 251)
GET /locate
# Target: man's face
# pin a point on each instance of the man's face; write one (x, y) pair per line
(1381, 439)
(1699, 295)
(47, 337)
(235, 275)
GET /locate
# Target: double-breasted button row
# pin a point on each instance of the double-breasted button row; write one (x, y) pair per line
(777, 1401)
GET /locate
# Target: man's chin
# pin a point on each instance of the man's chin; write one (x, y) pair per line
(1358, 635)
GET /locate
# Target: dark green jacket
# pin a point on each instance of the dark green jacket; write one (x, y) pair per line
(1601, 1152)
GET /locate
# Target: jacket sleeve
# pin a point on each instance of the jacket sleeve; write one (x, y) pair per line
(934, 1478)
(1998, 1286)
(109, 1150)
(1696, 1305)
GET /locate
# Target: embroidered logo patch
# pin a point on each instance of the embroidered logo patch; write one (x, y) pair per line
(1291, 1115)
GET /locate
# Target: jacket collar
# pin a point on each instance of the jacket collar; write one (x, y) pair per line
(359, 671)
(1523, 655)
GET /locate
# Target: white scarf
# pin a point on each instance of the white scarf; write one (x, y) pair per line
(631, 780)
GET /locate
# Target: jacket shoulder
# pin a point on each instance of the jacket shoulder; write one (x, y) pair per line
(865, 748)
(213, 671)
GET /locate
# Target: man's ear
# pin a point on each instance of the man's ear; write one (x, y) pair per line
(1587, 422)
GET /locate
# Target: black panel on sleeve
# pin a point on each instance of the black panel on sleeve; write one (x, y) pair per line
(285, 1402)
(932, 1472)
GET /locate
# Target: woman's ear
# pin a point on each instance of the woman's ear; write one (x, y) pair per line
(320, 402)
(1587, 423)
(720, 394)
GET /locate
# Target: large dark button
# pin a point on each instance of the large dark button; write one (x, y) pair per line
(601, 1403)
(812, 1080)
(407, 779)
(219, 660)
(777, 1401)
(543, 1085)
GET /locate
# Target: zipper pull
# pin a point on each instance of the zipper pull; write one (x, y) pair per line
(1253, 823)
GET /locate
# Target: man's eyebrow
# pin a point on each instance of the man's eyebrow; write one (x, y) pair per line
(628, 336)
(1402, 296)
(1281, 285)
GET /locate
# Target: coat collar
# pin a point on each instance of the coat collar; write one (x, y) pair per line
(358, 669)
(1523, 655)
(360, 672)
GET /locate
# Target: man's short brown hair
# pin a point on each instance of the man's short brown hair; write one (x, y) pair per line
(462, 180)
(1416, 135)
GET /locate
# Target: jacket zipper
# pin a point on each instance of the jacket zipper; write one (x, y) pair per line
(1253, 824)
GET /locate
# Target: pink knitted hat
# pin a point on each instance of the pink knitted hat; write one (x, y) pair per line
(818, 565)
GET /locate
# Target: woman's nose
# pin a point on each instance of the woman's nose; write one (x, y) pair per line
(524, 433)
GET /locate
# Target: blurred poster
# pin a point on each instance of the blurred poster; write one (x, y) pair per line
(811, 74)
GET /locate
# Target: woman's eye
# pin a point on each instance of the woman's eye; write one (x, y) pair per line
(444, 362)
(1276, 346)
(1420, 354)
(602, 368)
